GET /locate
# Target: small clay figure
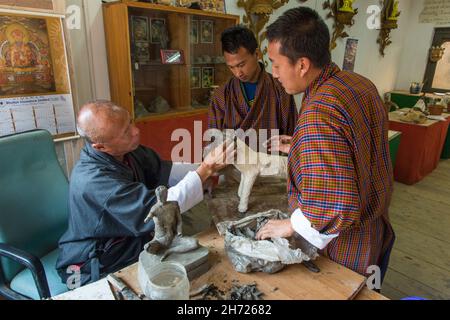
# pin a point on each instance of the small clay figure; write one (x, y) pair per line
(167, 218)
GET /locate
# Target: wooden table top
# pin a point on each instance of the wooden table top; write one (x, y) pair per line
(333, 282)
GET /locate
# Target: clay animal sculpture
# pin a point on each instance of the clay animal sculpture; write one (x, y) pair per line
(168, 227)
(252, 164)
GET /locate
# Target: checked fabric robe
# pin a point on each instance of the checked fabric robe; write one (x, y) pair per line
(340, 171)
(272, 107)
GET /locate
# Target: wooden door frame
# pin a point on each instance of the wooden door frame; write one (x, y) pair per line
(441, 35)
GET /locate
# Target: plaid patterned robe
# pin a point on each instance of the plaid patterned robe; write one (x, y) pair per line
(340, 171)
(272, 107)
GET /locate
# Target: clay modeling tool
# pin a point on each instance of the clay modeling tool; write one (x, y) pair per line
(122, 288)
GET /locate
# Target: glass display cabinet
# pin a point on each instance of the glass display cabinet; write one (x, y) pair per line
(164, 61)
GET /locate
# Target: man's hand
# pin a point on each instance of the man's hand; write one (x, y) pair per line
(217, 159)
(275, 229)
(279, 143)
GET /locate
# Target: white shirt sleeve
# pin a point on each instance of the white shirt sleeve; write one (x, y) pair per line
(179, 171)
(303, 227)
(188, 192)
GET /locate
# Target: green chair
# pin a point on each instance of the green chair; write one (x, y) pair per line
(33, 215)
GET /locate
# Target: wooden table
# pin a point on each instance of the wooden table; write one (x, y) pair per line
(294, 282)
(367, 294)
(420, 147)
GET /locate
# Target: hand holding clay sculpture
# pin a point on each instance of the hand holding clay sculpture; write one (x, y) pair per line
(168, 227)
(265, 165)
(252, 164)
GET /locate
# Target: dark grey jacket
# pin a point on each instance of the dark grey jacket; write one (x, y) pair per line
(108, 203)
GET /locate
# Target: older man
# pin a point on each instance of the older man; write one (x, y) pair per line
(112, 190)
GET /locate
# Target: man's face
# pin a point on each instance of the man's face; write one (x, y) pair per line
(243, 64)
(125, 135)
(288, 74)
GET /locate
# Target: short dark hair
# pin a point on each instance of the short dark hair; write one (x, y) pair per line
(302, 33)
(238, 36)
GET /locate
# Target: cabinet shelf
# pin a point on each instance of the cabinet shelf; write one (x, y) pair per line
(173, 114)
(145, 89)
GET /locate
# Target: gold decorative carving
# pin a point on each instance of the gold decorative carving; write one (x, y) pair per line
(436, 53)
(388, 19)
(343, 13)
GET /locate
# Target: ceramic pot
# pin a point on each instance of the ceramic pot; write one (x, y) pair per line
(435, 109)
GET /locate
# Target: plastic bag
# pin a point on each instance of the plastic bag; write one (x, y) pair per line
(247, 254)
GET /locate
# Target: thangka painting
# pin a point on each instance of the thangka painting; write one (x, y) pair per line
(26, 65)
(139, 28)
(206, 31)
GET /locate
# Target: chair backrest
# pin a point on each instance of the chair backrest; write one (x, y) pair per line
(33, 195)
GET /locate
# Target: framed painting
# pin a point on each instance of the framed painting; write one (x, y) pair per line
(206, 31)
(142, 52)
(157, 29)
(195, 78)
(32, 56)
(207, 77)
(172, 56)
(35, 89)
(351, 49)
(139, 28)
(194, 31)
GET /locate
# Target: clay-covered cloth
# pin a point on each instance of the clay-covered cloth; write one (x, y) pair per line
(272, 107)
(339, 168)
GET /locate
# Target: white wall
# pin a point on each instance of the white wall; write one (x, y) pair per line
(415, 49)
(404, 59)
(96, 39)
(88, 52)
(80, 55)
(382, 71)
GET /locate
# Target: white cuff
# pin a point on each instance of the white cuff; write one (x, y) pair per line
(188, 192)
(179, 171)
(303, 227)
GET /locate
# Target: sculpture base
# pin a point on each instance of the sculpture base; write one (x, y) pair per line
(196, 262)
